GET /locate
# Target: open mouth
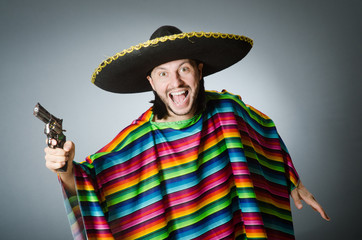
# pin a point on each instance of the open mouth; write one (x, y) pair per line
(179, 97)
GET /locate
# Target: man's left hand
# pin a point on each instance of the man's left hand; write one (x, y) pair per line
(301, 193)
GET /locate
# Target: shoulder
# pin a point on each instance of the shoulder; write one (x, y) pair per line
(128, 135)
(216, 95)
(234, 102)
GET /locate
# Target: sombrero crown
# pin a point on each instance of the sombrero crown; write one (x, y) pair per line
(126, 71)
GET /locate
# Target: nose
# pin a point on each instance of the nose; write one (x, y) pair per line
(176, 80)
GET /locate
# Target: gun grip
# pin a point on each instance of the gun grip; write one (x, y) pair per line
(63, 169)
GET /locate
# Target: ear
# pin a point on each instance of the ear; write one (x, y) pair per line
(150, 80)
(199, 67)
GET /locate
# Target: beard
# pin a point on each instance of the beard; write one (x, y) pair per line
(160, 110)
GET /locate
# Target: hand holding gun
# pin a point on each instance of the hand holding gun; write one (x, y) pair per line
(53, 129)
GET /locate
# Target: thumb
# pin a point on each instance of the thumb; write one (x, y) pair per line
(68, 145)
(296, 198)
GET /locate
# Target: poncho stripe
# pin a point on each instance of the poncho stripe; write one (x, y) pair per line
(223, 174)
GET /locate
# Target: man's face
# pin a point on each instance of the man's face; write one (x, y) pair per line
(177, 84)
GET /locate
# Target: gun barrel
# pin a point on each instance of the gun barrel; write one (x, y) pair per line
(41, 113)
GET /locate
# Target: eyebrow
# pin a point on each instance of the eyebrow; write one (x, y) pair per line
(159, 68)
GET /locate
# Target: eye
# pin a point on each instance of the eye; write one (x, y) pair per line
(184, 69)
(162, 74)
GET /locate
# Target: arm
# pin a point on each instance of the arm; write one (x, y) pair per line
(301, 193)
(57, 158)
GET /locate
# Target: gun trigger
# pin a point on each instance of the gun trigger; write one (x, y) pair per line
(47, 129)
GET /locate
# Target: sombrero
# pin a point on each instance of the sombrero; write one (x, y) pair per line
(126, 71)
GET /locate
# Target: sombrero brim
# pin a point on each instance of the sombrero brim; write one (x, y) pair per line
(126, 71)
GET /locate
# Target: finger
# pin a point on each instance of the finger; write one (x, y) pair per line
(317, 207)
(55, 151)
(52, 141)
(56, 159)
(296, 198)
(54, 166)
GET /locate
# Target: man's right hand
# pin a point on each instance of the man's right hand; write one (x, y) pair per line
(57, 157)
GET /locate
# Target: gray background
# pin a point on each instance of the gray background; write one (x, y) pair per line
(303, 71)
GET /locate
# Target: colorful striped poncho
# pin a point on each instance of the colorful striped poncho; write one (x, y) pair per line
(224, 174)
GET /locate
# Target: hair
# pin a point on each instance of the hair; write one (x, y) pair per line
(159, 108)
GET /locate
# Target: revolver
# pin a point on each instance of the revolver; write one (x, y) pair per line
(53, 129)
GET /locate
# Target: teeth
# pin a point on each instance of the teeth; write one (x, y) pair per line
(179, 97)
(177, 93)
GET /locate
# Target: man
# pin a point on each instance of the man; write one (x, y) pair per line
(197, 165)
